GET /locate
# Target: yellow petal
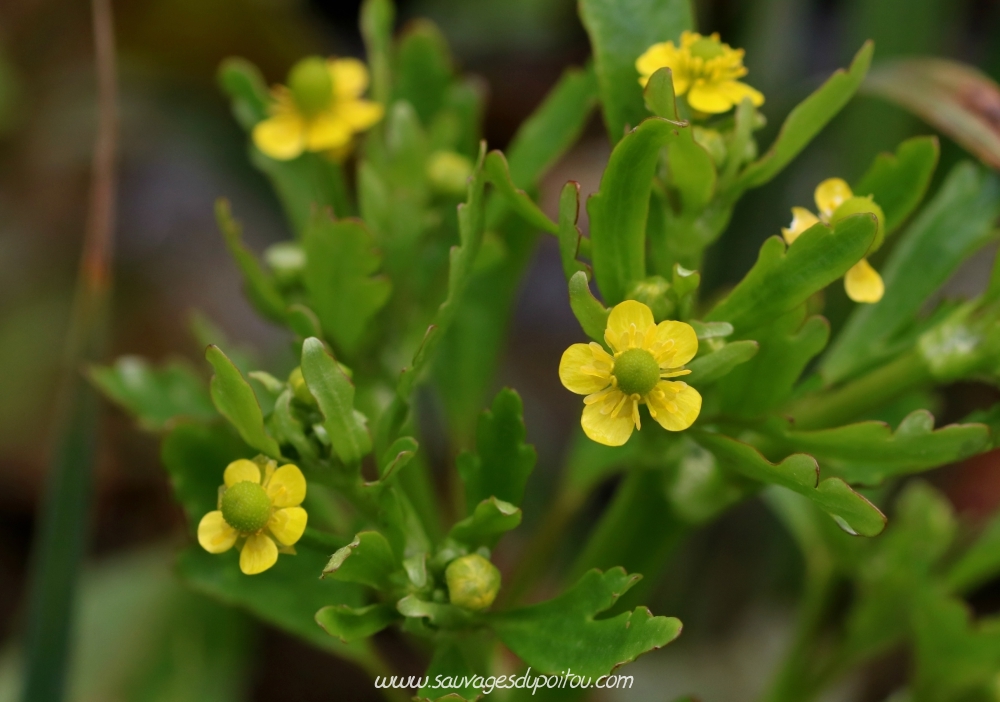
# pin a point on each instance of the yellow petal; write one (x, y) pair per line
(581, 373)
(287, 487)
(707, 97)
(214, 534)
(735, 91)
(830, 194)
(802, 219)
(327, 131)
(605, 428)
(349, 76)
(259, 553)
(360, 114)
(663, 55)
(281, 137)
(240, 471)
(863, 283)
(675, 405)
(288, 524)
(627, 317)
(679, 343)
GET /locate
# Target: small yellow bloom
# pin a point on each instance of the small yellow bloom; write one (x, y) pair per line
(834, 200)
(256, 509)
(704, 69)
(320, 110)
(645, 353)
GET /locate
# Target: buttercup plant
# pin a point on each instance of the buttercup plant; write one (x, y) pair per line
(399, 277)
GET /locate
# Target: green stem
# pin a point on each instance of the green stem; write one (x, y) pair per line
(867, 393)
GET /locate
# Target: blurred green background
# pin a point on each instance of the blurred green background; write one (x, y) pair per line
(141, 637)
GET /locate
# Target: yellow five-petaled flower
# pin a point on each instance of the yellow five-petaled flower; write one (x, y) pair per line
(321, 109)
(703, 68)
(834, 200)
(256, 509)
(643, 354)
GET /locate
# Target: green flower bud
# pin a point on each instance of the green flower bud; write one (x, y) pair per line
(856, 205)
(653, 292)
(287, 259)
(299, 388)
(637, 372)
(311, 85)
(246, 507)
(473, 582)
(449, 172)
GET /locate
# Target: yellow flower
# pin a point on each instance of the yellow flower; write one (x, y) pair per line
(256, 509)
(320, 110)
(645, 353)
(703, 68)
(834, 200)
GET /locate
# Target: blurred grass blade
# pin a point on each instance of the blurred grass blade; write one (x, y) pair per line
(59, 548)
(956, 98)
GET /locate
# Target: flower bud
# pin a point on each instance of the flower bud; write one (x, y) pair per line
(311, 85)
(473, 582)
(449, 172)
(299, 388)
(653, 292)
(287, 259)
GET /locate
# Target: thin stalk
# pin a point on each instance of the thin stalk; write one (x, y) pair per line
(59, 548)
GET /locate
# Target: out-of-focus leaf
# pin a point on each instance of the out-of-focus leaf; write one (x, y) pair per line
(799, 473)
(423, 68)
(243, 83)
(897, 182)
(368, 560)
(334, 393)
(503, 461)
(956, 98)
(563, 632)
(376, 20)
(443, 615)
(488, 522)
(712, 366)
(452, 662)
(569, 233)
(620, 32)
(553, 127)
(618, 211)
(980, 562)
(351, 624)
(958, 221)
(156, 397)
(589, 312)
(259, 285)
(310, 182)
(235, 400)
(786, 276)
(787, 344)
(806, 120)
(499, 174)
(340, 263)
(868, 452)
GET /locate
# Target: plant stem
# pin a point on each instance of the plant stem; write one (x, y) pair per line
(59, 547)
(868, 392)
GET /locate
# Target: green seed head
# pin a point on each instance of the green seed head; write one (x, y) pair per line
(311, 86)
(473, 582)
(707, 48)
(637, 372)
(246, 507)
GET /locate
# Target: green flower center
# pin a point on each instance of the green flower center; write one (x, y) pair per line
(310, 83)
(637, 371)
(246, 507)
(707, 48)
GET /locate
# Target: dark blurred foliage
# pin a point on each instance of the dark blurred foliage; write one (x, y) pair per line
(181, 150)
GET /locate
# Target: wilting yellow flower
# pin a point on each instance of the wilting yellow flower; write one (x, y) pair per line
(834, 200)
(645, 353)
(704, 69)
(256, 509)
(320, 110)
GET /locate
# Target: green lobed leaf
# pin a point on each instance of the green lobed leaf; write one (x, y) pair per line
(713, 366)
(235, 400)
(868, 452)
(498, 173)
(980, 563)
(453, 662)
(618, 211)
(589, 312)
(340, 263)
(442, 615)
(351, 624)
(503, 461)
(308, 183)
(396, 456)
(287, 429)
(156, 397)
(488, 522)
(334, 393)
(897, 182)
(955, 223)
(620, 31)
(258, 284)
(376, 20)
(423, 69)
(568, 231)
(786, 276)
(799, 473)
(563, 632)
(368, 560)
(806, 120)
(243, 82)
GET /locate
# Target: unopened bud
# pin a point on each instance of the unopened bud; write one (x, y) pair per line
(473, 582)
(449, 172)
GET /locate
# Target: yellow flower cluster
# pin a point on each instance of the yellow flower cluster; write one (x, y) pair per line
(321, 110)
(704, 69)
(256, 509)
(835, 200)
(643, 355)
